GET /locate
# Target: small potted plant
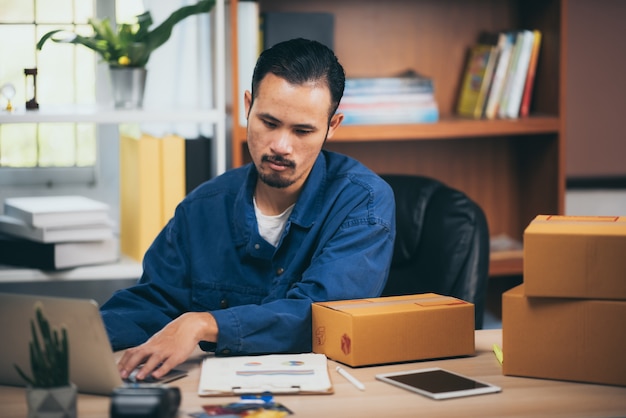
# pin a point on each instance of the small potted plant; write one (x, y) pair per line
(49, 390)
(127, 49)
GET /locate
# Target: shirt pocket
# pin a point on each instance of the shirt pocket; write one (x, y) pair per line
(212, 296)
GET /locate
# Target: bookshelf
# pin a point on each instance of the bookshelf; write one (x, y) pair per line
(513, 168)
(126, 269)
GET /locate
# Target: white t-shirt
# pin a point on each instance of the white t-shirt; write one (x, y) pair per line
(271, 227)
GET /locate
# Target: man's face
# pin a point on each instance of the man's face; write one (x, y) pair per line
(287, 127)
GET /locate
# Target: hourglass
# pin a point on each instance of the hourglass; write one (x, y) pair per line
(31, 88)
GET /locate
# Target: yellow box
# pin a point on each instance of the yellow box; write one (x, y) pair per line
(576, 256)
(393, 329)
(563, 338)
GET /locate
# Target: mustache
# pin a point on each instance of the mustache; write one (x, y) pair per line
(277, 159)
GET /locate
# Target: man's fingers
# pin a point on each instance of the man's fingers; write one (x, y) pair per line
(131, 359)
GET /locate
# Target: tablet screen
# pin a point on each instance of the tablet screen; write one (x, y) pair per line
(438, 383)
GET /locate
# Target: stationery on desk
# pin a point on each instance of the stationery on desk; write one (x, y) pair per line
(301, 374)
(357, 383)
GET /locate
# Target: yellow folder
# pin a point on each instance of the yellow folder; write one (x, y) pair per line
(152, 183)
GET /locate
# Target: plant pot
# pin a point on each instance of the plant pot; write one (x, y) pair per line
(128, 84)
(51, 402)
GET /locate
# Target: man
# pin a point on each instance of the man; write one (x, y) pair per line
(238, 266)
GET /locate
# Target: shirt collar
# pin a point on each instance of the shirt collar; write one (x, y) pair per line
(307, 207)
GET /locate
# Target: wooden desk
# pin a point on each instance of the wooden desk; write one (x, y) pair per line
(519, 397)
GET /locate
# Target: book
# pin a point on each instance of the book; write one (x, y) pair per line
(391, 113)
(48, 211)
(305, 373)
(141, 217)
(505, 44)
(198, 162)
(410, 84)
(510, 106)
(172, 175)
(530, 77)
(152, 184)
(58, 255)
(404, 99)
(476, 80)
(508, 82)
(520, 74)
(382, 98)
(89, 232)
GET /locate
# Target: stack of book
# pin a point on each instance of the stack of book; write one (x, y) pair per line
(389, 100)
(499, 76)
(56, 232)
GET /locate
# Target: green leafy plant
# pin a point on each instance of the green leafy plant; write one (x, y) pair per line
(132, 44)
(49, 362)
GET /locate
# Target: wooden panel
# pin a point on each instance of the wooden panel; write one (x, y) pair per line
(512, 168)
(596, 89)
(384, 38)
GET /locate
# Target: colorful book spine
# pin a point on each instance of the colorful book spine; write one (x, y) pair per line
(518, 76)
(508, 82)
(476, 79)
(530, 78)
(505, 47)
(510, 107)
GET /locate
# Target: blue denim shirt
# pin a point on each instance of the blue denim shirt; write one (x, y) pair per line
(337, 244)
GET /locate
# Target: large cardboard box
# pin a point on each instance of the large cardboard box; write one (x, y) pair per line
(576, 256)
(393, 329)
(563, 338)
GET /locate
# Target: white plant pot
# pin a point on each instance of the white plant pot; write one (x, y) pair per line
(51, 402)
(128, 86)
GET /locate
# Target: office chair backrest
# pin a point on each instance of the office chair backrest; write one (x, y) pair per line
(442, 242)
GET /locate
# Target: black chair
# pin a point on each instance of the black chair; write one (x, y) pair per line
(442, 242)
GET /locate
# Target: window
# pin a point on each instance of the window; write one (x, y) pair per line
(66, 74)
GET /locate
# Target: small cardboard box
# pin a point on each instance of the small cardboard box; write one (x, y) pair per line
(563, 338)
(393, 329)
(576, 256)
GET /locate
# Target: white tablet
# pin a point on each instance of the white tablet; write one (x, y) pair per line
(438, 383)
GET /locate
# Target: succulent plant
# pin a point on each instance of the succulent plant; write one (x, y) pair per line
(49, 356)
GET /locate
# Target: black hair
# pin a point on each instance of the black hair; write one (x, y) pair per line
(299, 61)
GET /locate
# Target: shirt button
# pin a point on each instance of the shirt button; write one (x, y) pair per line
(280, 271)
(223, 304)
(257, 246)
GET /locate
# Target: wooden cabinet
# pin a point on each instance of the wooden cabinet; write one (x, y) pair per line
(512, 168)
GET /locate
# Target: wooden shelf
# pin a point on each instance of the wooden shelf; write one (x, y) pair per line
(506, 263)
(450, 128)
(100, 114)
(125, 268)
(514, 169)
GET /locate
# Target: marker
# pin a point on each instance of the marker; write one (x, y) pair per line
(350, 378)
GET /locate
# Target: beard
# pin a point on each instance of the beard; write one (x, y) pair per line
(274, 179)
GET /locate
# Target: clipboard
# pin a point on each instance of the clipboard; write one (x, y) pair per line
(300, 374)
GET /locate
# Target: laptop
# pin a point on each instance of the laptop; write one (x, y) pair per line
(93, 367)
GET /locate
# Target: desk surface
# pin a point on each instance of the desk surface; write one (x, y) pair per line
(519, 397)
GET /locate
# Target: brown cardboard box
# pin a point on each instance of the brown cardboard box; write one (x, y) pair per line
(393, 329)
(576, 256)
(562, 338)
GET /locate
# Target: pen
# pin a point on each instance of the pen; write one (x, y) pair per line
(350, 378)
